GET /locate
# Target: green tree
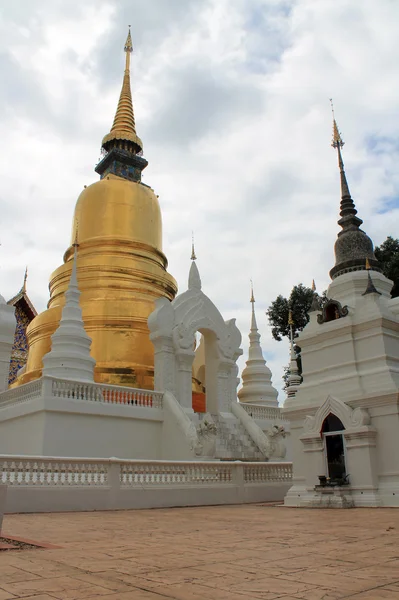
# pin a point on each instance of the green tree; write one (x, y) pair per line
(300, 301)
(388, 256)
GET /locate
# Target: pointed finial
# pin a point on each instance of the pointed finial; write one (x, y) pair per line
(252, 292)
(193, 256)
(290, 319)
(75, 243)
(129, 44)
(123, 129)
(337, 140)
(25, 278)
(315, 306)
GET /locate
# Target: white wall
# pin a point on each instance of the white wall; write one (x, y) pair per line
(22, 434)
(67, 427)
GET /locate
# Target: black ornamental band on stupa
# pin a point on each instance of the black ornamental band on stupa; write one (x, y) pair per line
(353, 246)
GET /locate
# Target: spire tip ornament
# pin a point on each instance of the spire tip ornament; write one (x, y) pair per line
(129, 44)
(193, 255)
(252, 292)
(337, 141)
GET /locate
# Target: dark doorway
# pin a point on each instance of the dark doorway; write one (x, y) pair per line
(335, 456)
(335, 450)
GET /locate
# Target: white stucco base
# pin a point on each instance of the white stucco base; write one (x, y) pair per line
(23, 499)
(67, 427)
(372, 453)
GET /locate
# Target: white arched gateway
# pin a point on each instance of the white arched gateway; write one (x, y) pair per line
(173, 326)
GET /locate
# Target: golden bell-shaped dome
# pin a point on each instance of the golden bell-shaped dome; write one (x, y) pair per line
(121, 267)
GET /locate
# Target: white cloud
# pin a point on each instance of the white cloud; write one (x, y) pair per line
(231, 101)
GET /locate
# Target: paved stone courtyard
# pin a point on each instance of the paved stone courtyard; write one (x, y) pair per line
(210, 553)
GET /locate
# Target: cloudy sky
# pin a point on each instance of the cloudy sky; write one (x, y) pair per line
(232, 103)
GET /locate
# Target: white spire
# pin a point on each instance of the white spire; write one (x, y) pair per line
(256, 377)
(69, 357)
(194, 279)
(294, 379)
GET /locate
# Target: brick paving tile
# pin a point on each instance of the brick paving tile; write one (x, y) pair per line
(38, 597)
(6, 595)
(207, 553)
(376, 594)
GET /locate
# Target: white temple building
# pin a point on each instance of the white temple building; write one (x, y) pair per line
(113, 361)
(344, 416)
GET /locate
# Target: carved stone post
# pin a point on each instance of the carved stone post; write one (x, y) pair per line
(184, 379)
(225, 376)
(164, 364)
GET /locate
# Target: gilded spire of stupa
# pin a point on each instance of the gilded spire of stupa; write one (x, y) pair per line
(353, 245)
(124, 127)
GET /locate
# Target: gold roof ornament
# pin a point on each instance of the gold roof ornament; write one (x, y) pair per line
(313, 285)
(367, 264)
(337, 140)
(252, 292)
(290, 319)
(124, 126)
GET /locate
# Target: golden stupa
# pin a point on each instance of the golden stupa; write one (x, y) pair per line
(121, 267)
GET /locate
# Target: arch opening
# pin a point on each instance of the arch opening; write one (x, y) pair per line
(334, 447)
(205, 373)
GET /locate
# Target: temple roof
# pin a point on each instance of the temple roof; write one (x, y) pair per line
(22, 299)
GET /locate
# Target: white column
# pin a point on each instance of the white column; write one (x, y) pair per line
(184, 376)
(164, 364)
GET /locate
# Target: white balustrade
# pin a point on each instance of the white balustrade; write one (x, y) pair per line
(257, 411)
(92, 392)
(22, 393)
(267, 472)
(48, 484)
(171, 473)
(95, 392)
(42, 471)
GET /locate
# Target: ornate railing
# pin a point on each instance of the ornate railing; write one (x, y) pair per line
(111, 394)
(22, 393)
(267, 472)
(92, 392)
(42, 471)
(257, 411)
(175, 473)
(39, 471)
